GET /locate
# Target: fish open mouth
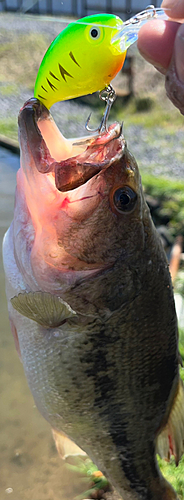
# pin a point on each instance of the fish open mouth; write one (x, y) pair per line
(64, 186)
(72, 162)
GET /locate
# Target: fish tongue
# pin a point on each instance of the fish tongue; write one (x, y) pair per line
(71, 174)
(74, 172)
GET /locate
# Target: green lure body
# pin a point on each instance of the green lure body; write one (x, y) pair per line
(81, 60)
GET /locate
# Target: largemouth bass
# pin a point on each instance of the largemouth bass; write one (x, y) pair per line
(91, 305)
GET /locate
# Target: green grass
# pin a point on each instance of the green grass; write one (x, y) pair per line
(8, 90)
(20, 58)
(170, 194)
(152, 114)
(156, 117)
(173, 474)
(9, 128)
(161, 186)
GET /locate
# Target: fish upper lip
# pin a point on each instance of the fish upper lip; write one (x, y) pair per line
(72, 172)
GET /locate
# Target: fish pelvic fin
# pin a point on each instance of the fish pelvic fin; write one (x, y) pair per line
(46, 309)
(171, 439)
(65, 446)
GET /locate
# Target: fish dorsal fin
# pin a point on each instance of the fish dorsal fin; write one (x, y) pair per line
(171, 440)
(42, 307)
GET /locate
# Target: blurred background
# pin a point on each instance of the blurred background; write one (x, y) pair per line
(77, 8)
(154, 130)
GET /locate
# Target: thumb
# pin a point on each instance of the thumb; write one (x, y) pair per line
(156, 42)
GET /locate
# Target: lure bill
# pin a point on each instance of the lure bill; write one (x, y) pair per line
(129, 32)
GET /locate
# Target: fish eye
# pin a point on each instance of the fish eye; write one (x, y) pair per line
(124, 199)
(95, 32)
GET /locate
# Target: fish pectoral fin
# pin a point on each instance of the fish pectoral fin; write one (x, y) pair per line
(43, 307)
(171, 440)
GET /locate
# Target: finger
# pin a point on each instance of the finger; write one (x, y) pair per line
(156, 42)
(176, 8)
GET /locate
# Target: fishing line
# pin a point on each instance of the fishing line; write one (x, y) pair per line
(31, 3)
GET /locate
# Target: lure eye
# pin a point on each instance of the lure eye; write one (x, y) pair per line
(95, 33)
(124, 199)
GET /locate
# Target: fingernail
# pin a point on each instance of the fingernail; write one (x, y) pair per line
(173, 8)
(179, 53)
(168, 4)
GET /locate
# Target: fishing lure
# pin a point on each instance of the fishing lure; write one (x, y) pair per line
(86, 56)
(81, 60)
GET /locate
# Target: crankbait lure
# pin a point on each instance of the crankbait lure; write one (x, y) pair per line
(86, 56)
(81, 60)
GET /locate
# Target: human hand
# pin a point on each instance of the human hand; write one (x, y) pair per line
(162, 44)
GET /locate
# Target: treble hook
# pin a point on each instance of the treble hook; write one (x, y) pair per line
(108, 95)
